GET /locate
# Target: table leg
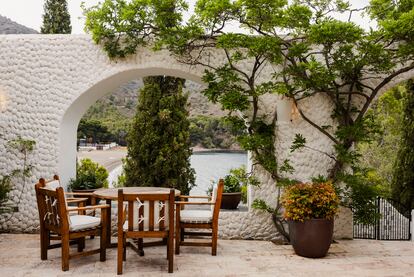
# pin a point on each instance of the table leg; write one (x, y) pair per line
(109, 225)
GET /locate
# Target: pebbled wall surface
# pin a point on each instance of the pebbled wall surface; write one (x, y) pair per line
(48, 81)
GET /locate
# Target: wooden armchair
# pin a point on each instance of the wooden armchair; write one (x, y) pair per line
(149, 216)
(198, 219)
(80, 201)
(54, 217)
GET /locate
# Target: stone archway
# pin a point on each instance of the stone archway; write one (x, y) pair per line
(73, 114)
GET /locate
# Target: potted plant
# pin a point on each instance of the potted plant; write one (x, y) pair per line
(310, 209)
(232, 193)
(90, 176)
(235, 188)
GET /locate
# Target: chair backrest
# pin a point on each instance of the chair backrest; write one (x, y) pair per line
(216, 197)
(52, 184)
(52, 207)
(147, 212)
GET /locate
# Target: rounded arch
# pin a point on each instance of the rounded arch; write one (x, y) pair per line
(73, 114)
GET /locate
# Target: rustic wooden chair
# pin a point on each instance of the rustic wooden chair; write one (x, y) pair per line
(148, 216)
(80, 201)
(54, 217)
(198, 219)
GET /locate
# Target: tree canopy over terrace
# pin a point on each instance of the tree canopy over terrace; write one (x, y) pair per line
(312, 52)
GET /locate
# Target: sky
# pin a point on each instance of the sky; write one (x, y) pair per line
(29, 12)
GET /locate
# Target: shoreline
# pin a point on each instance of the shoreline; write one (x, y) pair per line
(112, 158)
(197, 150)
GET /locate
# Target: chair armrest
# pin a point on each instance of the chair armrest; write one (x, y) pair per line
(76, 200)
(195, 196)
(105, 206)
(79, 193)
(193, 203)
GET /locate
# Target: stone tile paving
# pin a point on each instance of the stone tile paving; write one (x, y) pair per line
(20, 256)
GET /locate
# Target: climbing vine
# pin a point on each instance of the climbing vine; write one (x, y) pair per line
(22, 148)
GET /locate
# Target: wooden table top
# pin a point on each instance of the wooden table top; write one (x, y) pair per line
(112, 193)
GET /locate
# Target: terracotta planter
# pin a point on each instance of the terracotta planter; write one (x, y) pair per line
(230, 200)
(311, 238)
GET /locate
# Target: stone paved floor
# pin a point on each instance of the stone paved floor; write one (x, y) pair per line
(19, 256)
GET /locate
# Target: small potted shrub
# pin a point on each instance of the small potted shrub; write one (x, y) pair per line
(232, 193)
(90, 176)
(235, 188)
(310, 210)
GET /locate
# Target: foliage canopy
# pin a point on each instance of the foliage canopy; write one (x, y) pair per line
(403, 177)
(312, 53)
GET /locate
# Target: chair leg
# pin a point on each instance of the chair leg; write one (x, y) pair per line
(65, 252)
(141, 247)
(44, 242)
(124, 249)
(214, 242)
(182, 234)
(177, 239)
(103, 245)
(120, 258)
(81, 244)
(170, 253)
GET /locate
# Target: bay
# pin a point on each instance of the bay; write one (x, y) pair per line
(209, 167)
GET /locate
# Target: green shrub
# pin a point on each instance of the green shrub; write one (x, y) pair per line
(231, 184)
(237, 181)
(307, 201)
(89, 175)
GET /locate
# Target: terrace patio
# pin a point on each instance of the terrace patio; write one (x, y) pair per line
(20, 256)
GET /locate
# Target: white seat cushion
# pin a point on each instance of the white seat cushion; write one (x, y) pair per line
(80, 222)
(196, 216)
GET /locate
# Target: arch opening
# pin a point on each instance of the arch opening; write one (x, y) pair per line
(72, 116)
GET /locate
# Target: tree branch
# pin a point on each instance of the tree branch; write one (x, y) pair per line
(319, 128)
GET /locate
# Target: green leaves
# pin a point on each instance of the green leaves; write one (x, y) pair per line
(225, 87)
(298, 142)
(330, 31)
(403, 175)
(89, 175)
(248, 46)
(56, 18)
(158, 141)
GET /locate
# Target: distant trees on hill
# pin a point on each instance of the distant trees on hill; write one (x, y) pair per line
(94, 131)
(211, 132)
(205, 131)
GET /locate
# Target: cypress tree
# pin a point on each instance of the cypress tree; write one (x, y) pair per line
(158, 141)
(56, 19)
(403, 176)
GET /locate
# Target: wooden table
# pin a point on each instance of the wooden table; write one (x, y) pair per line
(112, 194)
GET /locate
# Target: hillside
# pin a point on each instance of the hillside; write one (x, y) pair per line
(115, 111)
(125, 98)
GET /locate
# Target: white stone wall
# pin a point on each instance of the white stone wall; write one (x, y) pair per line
(47, 82)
